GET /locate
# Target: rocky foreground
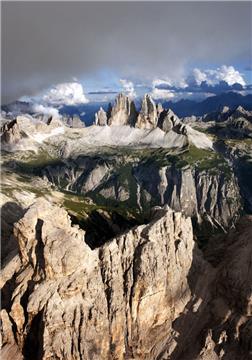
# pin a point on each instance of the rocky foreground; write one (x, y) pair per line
(147, 294)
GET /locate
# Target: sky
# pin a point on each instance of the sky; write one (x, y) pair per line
(76, 52)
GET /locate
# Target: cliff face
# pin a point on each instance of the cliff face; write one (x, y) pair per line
(167, 120)
(147, 294)
(101, 118)
(115, 302)
(123, 112)
(10, 132)
(148, 116)
(213, 196)
(209, 195)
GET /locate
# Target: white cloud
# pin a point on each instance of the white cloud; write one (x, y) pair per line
(45, 110)
(179, 83)
(66, 93)
(199, 76)
(128, 87)
(157, 82)
(223, 73)
(162, 94)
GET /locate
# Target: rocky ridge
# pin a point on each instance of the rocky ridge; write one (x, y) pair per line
(11, 132)
(101, 118)
(209, 196)
(134, 297)
(123, 112)
(148, 116)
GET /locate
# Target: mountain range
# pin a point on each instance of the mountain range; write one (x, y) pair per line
(129, 238)
(182, 108)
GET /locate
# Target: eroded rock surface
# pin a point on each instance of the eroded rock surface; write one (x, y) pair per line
(207, 195)
(11, 132)
(167, 120)
(101, 118)
(123, 112)
(146, 294)
(114, 302)
(148, 116)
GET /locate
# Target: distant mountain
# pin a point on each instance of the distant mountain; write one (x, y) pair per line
(17, 107)
(86, 112)
(182, 108)
(213, 103)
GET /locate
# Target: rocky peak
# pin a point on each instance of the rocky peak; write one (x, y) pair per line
(167, 120)
(225, 109)
(240, 112)
(11, 132)
(123, 112)
(148, 116)
(42, 117)
(135, 297)
(68, 292)
(241, 109)
(54, 121)
(101, 117)
(73, 121)
(49, 243)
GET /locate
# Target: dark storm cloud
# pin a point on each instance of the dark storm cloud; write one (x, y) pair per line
(51, 42)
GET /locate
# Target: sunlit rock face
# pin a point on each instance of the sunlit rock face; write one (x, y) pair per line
(167, 120)
(123, 112)
(145, 294)
(119, 299)
(148, 116)
(10, 132)
(101, 118)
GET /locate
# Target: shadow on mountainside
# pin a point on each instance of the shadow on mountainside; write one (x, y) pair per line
(11, 212)
(101, 226)
(213, 326)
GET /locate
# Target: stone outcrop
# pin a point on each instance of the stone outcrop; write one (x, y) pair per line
(206, 195)
(167, 120)
(213, 198)
(240, 112)
(11, 132)
(123, 112)
(116, 302)
(82, 175)
(146, 294)
(226, 113)
(148, 116)
(73, 121)
(101, 118)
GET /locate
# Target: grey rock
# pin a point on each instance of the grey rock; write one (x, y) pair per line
(11, 133)
(167, 120)
(148, 116)
(123, 112)
(145, 294)
(116, 299)
(101, 118)
(73, 121)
